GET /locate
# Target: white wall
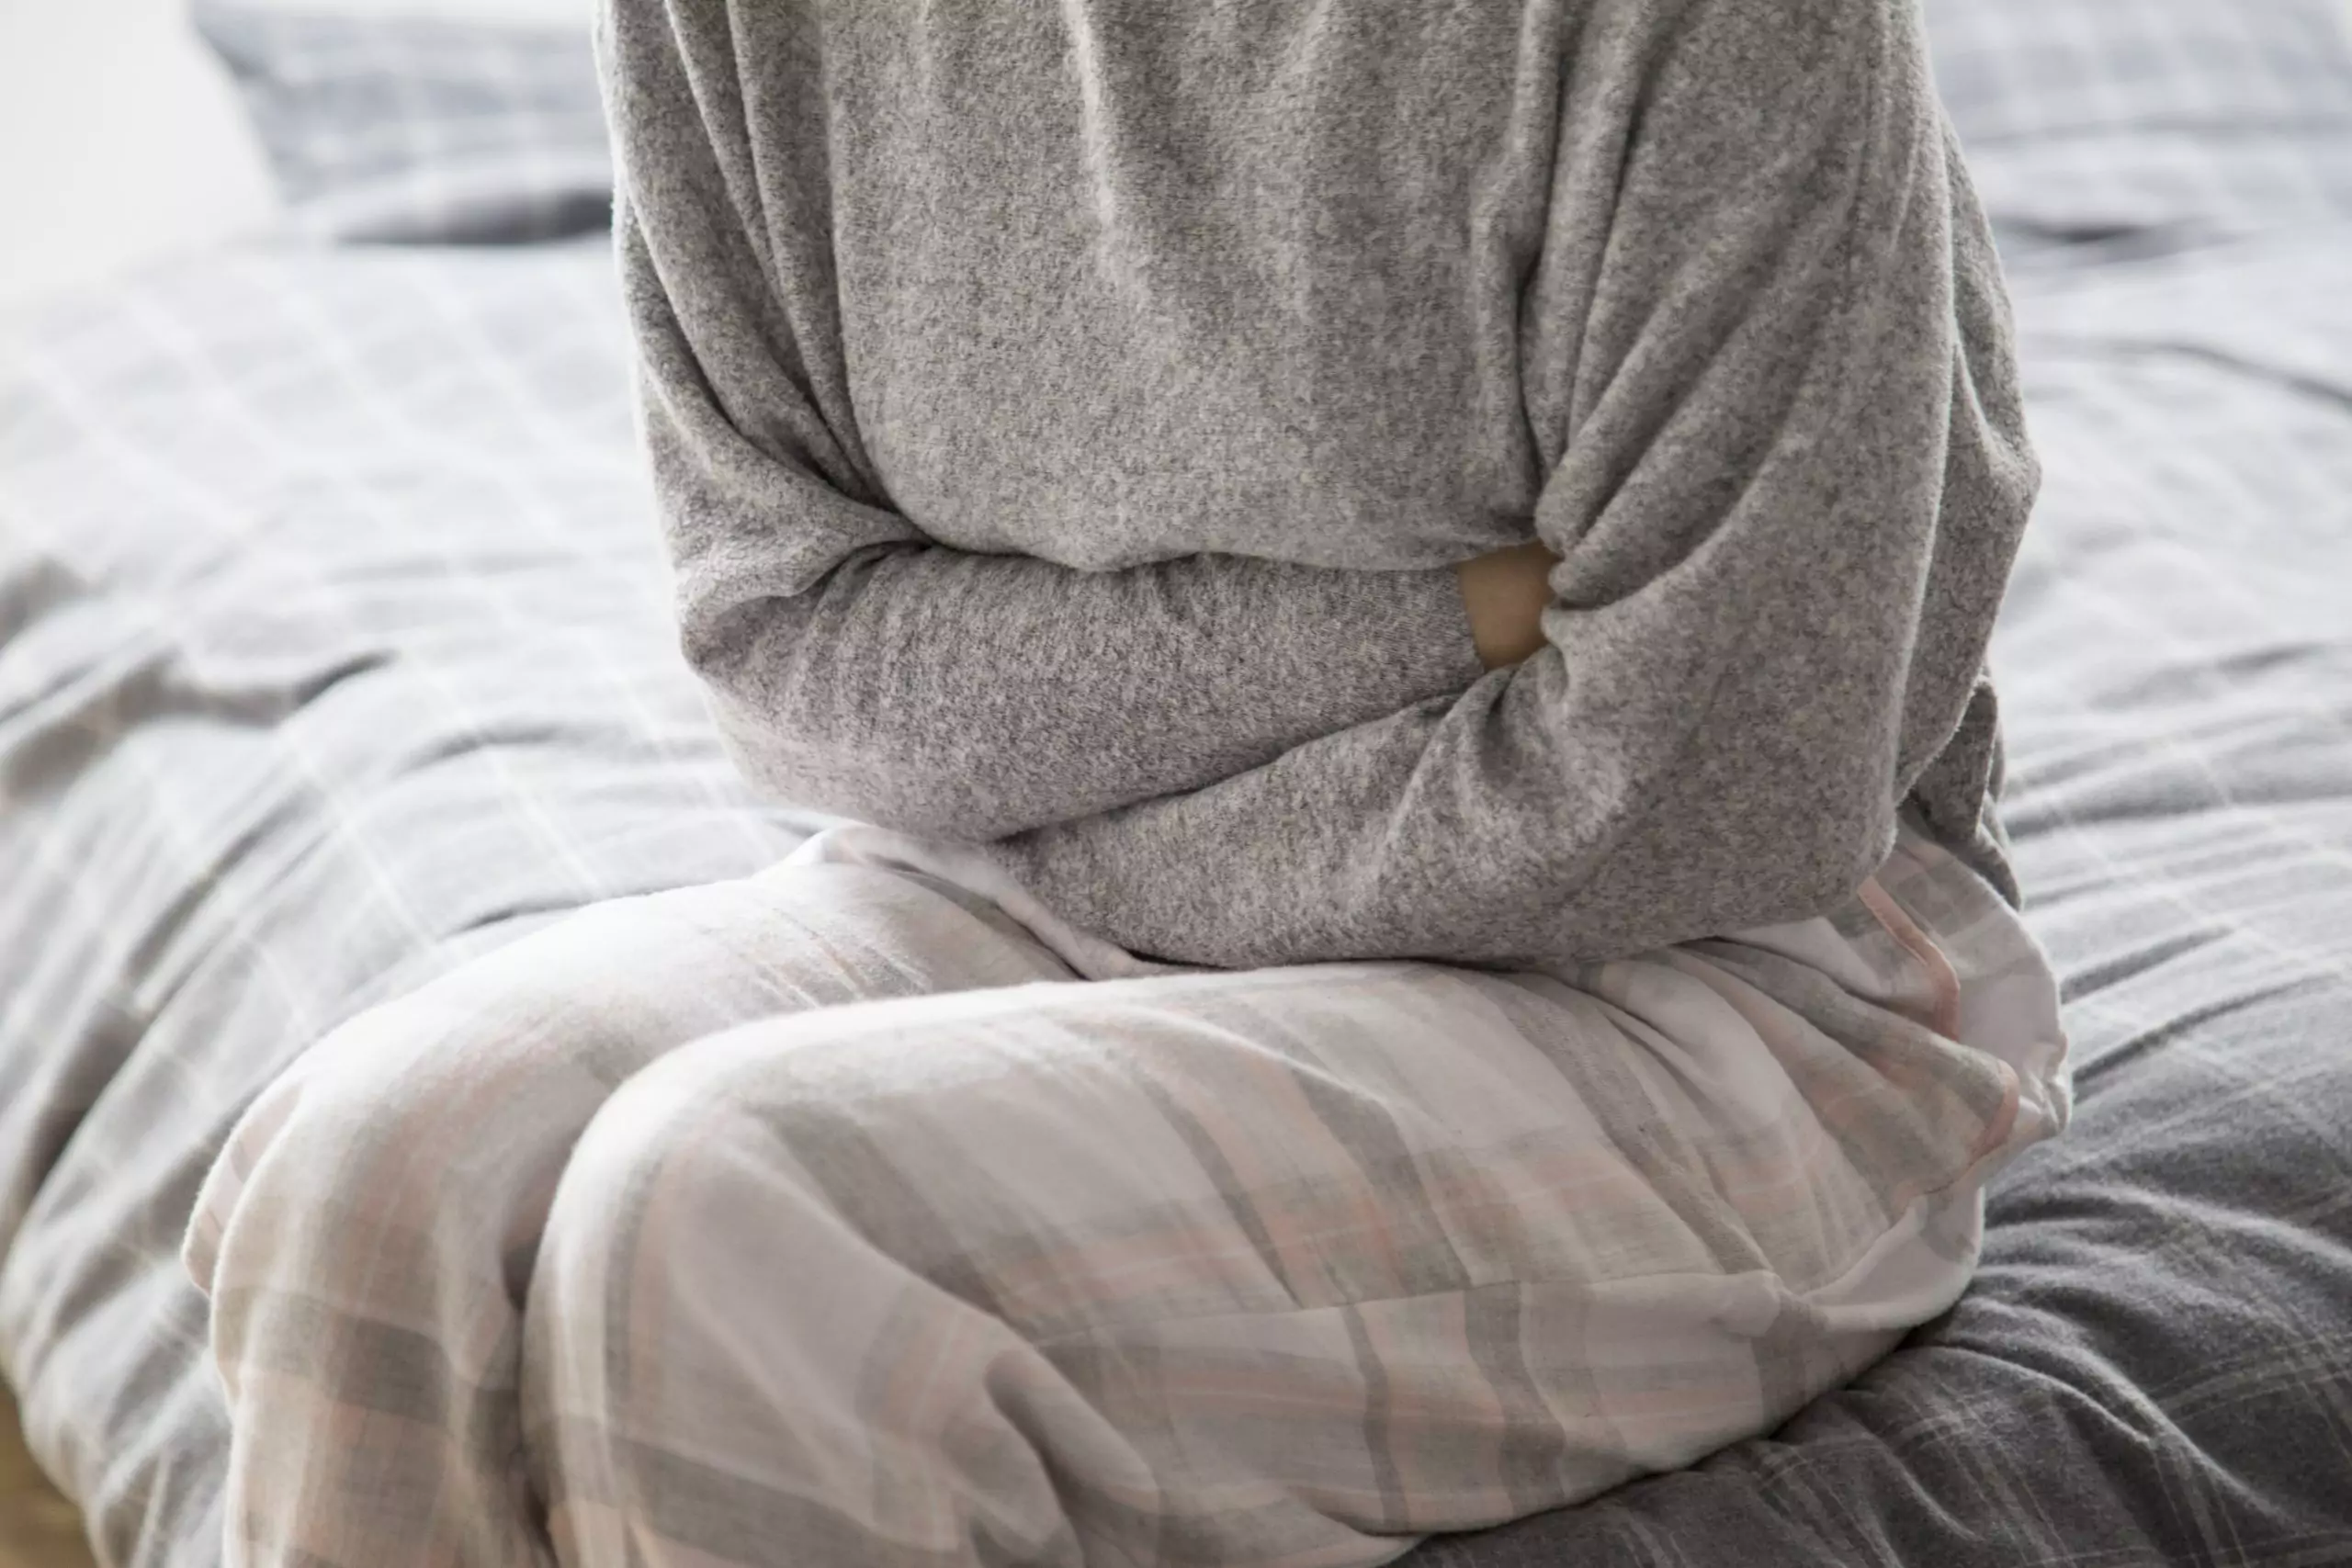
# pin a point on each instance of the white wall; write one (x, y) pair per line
(120, 140)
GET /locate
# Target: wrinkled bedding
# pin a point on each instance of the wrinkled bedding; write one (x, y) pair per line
(334, 650)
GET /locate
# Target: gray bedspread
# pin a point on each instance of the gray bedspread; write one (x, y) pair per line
(333, 649)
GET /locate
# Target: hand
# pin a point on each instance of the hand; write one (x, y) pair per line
(1505, 593)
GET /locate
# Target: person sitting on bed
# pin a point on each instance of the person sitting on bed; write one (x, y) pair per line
(1392, 598)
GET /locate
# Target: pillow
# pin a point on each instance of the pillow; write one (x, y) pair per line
(422, 120)
(2095, 120)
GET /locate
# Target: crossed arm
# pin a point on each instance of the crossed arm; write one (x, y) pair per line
(1788, 472)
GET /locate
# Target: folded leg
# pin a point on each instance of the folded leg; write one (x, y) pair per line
(1289, 1266)
(367, 1235)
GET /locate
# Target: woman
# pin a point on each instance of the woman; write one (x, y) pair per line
(1396, 594)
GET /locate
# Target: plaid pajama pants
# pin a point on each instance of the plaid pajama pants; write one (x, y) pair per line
(862, 1214)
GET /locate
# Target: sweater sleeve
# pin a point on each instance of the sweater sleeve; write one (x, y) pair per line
(855, 665)
(1767, 356)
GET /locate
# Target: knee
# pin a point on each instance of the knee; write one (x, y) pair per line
(734, 1171)
(432, 1109)
(661, 1167)
(729, 1254)
(678, 1229)
(833, 1145)
(757, 1249)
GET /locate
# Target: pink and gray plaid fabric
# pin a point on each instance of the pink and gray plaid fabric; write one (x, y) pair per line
(835, 1215)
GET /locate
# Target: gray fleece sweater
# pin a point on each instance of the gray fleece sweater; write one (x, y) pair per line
(1064, 415)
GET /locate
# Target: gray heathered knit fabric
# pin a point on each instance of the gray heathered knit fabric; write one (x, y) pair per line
(1064, 415)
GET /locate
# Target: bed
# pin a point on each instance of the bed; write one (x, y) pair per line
(334, 650)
